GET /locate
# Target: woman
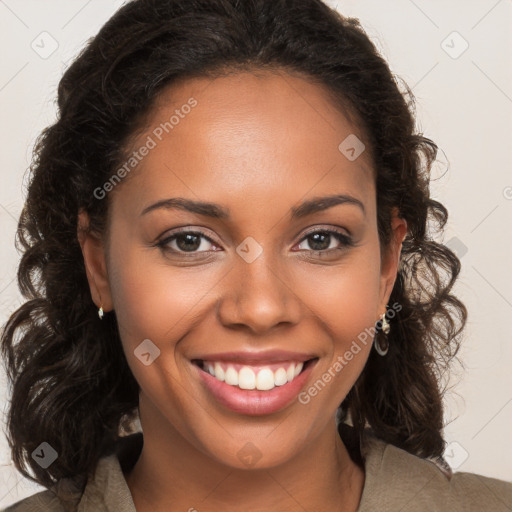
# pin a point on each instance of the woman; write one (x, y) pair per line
(227, 235)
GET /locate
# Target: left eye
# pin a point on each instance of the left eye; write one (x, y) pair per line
(318, 239)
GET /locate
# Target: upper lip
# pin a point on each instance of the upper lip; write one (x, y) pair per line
(251, 357)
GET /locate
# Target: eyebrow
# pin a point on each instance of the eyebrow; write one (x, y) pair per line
(216, 211)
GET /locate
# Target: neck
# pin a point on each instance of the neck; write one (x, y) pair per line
(171, 474)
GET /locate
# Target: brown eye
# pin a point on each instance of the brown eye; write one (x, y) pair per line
(321, 240)
(186, 242)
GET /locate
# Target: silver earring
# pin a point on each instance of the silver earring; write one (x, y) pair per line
(381, 343)
(100, 313)
(385, 324)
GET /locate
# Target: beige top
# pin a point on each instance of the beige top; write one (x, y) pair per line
(395, 481)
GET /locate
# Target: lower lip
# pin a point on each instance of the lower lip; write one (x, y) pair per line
(253, 401)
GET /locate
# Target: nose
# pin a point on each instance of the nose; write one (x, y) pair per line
(259, 296)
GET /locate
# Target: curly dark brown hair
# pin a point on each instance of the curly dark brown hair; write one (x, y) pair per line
(71, 383)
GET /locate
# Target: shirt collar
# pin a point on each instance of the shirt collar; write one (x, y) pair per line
(108, 491)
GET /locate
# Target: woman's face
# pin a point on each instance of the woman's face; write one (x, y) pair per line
(253, 286)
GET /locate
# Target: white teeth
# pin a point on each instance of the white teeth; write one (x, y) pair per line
(231, 376)
(265, 379)
(290, 373)
(281, 377)
(246, 378)
(219, 372)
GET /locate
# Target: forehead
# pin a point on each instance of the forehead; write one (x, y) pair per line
(246, 137)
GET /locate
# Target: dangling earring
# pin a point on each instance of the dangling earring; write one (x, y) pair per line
(100, 309)
(381, 343)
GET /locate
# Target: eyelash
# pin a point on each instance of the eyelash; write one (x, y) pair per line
(345, 240)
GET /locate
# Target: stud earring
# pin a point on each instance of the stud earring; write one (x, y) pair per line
(381, 342)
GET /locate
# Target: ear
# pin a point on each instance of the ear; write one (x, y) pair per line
(93, 251)
(391, 259)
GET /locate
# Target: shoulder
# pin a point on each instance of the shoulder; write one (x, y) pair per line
(64, 496)
(105, 489)
(69, 494)
(399, 480)
(485, 492)
(42, 501)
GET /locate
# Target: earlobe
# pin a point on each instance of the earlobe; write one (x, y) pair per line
(93, 252)
(392, 259)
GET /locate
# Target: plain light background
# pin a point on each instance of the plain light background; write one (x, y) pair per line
(456, 56)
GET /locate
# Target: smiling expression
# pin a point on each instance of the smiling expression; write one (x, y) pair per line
(246, 239)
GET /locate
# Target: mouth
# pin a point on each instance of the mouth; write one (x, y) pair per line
(262, 377)
(253, 389)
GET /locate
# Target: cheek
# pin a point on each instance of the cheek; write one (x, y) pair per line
(345, 304)
(152, 298)
(154, 301)
(346, 297)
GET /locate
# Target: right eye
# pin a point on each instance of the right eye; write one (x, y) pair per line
(185, 242)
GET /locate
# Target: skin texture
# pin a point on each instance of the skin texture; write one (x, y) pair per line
(258, 145)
